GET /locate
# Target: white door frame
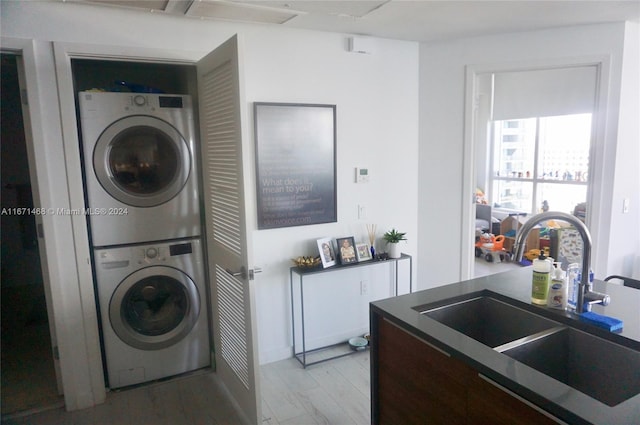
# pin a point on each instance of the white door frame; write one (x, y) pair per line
(49, 185)
(602, 154)
(90, 389)
(21, 49)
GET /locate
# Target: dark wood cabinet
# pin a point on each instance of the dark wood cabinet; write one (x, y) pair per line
(414, 382)
(417, 384)
(488, 403)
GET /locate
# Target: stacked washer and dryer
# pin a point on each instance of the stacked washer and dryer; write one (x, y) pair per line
(144, 214)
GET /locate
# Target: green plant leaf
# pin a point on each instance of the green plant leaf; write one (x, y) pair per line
(393, 236)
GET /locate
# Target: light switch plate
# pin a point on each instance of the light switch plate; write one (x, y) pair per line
(625, 205)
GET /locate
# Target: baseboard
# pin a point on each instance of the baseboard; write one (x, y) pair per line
(275, 355)
(283, 353)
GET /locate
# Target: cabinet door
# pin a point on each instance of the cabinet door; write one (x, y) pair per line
(417, 383)
(489, 403)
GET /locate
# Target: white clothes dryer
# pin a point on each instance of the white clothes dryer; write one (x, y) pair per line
(140, 168)
(153, 310)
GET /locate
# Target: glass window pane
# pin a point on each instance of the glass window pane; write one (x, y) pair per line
(564, 147)
(561, 197)
(561, 144)
(514, 147)
(513, 194)
(143, 160)
(155, 305)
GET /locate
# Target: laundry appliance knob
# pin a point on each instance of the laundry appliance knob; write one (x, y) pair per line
(139, 100)
(152, 252)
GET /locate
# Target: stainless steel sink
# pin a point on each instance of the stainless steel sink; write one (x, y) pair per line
(599, 368)
(489, 321)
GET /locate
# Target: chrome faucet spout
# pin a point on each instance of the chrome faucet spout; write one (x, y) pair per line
(584, 289)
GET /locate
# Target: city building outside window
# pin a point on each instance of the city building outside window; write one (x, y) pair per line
(540, 163)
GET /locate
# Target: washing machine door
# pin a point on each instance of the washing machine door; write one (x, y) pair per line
(142, 161)
(154, 308)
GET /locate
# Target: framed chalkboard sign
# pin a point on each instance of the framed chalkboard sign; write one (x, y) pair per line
(295, 164)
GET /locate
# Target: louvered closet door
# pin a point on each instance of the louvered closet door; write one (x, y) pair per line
(228, 250)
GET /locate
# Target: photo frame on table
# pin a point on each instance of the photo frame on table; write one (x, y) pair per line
(327, 254)
(347, 250)
(363, 252)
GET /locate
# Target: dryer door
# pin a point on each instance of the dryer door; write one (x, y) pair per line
(154, 308)
(141, 161)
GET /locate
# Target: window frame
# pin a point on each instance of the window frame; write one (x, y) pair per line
(534, 178)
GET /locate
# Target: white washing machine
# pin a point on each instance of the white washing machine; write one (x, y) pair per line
(153, 310)
(140, 168)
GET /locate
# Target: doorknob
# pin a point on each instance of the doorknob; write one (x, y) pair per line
(242, 273)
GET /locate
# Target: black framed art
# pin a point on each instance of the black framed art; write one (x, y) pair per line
(295, 164)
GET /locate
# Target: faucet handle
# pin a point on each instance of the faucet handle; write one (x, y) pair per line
(593, 297)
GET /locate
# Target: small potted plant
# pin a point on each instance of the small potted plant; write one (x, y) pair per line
(392, 238)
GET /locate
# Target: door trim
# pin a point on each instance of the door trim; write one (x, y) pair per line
(93, 392)
(602, 153)
(87, 393)
(49, 188)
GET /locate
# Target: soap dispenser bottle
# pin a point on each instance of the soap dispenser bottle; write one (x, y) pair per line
(559, 290)
(542, 267)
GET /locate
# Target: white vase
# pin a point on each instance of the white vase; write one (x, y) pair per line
(394, 250)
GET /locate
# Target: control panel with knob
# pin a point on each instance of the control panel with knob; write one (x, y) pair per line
(152, 252)
(139, 100)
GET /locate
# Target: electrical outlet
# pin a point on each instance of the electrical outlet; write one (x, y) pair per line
(625, 205)
(364, 287)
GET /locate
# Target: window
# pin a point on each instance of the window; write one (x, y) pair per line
(540, 159)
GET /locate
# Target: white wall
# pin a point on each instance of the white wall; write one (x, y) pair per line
(376, 97)
(624, 236)
(442, 106)
(377, 114)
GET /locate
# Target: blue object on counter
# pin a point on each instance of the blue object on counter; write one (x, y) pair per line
(609, 323)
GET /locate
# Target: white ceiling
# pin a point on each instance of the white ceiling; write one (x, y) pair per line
(418, 20)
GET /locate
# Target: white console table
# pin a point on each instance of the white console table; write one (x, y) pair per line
(298, 304)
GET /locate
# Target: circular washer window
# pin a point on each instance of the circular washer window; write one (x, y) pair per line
(142, 161)
(154, 308)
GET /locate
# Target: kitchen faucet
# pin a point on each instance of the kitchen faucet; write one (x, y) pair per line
(585, 293)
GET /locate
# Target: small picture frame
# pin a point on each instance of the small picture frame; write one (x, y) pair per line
(347, 250)
(363, 252)
(327, 254)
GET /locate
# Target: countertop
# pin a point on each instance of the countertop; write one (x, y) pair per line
(553, 396)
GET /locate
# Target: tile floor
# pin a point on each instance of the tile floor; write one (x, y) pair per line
(333, 392)
(485, 268)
